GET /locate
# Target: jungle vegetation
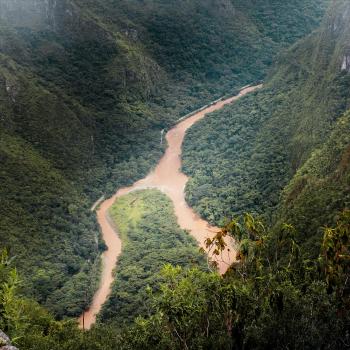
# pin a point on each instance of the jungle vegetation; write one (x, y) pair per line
(272, 297)
(83, 98)
(281, 152)
(151, 239)
(86, 87)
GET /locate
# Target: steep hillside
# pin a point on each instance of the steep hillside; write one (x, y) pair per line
(241, 158)
(320, 189)
(283, 152)
(85, 88)
(260, 299)
(224, 42)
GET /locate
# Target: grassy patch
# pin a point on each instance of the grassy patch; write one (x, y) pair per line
(151, 238)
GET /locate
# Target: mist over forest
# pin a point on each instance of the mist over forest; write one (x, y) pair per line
(174, 174)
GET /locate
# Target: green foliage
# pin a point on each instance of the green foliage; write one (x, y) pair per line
(336, 257)
(241, 158)
(36, 199)
(151, 238)
(11, 311)
(272, 298)
(236, 160)
(320, 188)
(85, 88)
(81, 108)
(19, 317)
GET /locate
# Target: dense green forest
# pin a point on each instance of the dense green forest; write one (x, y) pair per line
(242, 158)
(151, 238)
(320, 188)
(274, 297)
(86, 87)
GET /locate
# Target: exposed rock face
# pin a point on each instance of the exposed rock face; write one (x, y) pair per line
(28, 13)
(12, 90)
(4, 339)
(346, 63)
(338, 34)
(131, 33)
(226, 8)
(5, 343)
(61, 16)
(340, 18)
(39, 14)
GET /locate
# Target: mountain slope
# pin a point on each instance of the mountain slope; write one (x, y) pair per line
(320, 189)
(85, 88)
(241, 158)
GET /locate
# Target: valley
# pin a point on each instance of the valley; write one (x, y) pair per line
(86, 88)
(168, 178)
(135, 214)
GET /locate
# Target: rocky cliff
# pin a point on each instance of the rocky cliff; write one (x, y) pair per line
(35, 14)
(5, 342)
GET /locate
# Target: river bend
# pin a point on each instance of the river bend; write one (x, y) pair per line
(168, 178)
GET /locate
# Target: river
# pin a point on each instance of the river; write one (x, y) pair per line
(168, 178)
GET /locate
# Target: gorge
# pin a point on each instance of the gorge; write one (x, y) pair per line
(168, 178)
(96, 95)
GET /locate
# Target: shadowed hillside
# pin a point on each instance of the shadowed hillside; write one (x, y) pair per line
(88, 87)
(241, 158)
(85, 88)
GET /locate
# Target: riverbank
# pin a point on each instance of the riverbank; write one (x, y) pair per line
(168, 178)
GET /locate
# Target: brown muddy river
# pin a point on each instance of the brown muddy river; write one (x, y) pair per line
(168, 178)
